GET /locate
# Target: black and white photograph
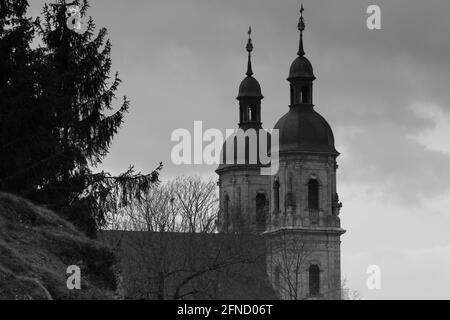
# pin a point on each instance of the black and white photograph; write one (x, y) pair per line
(209, 150)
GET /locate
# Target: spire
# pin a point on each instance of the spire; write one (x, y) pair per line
(301, 28)
(249, 50)
(249, 88)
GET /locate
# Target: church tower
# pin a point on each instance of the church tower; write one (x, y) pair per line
(244, 192)
(303, 232)
(296, 210)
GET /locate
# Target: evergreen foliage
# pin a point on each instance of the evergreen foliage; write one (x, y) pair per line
(57, 115)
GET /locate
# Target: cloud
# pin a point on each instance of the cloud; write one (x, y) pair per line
(408, 274)
(406, 243)
(385, 94)
(436, 138)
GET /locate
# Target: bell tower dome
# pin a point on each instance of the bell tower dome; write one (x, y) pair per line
(301, 74)
(250, 95)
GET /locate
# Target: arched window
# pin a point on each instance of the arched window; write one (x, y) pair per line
(251, 113)
(276, 197)
(260, 212)
(314, 280)
(289, 201)
(292, 94)
(226, 210)
(238, 206)
(305, 95)
(313, 194)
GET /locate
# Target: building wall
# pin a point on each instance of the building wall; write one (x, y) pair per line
(293, 251)
(242, 186)
(296, 235)
(294, 175)
(311, 236)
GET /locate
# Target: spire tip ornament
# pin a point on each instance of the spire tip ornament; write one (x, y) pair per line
(301, 28)
(249, 50)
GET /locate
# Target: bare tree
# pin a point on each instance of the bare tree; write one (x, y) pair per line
(197, 203)
(171, 250)
(291, 258)
(186, 204)
(289, 264)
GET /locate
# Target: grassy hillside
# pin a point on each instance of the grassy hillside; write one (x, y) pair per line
(37, 246)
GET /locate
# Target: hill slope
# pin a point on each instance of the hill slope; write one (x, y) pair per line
(37, 247)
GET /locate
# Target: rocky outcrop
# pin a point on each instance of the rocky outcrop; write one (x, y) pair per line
(36, 248)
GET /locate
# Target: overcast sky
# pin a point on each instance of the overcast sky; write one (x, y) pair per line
(384, 92)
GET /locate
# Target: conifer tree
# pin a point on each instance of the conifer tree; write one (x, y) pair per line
(21, 121)
(74, 94)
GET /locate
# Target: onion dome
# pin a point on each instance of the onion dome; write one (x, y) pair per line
(250, 87)
(304, 130)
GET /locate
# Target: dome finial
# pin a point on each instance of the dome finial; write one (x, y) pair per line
(249, 50)
(249, 88)
(301, 28)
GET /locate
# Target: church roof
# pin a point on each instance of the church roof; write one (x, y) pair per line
(230, 266)
(247, 157)
(303, 129)
(250, 88)
(301, 68)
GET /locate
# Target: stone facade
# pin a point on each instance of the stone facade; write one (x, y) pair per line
(300, 236)
(244, 199)
(293, 178)
(293, 251)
